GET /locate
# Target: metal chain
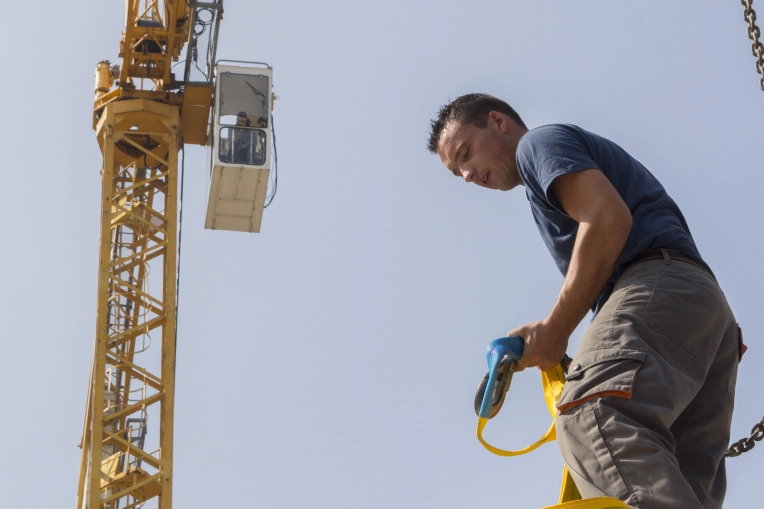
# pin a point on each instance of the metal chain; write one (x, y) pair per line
(757, 49)
(746, 444)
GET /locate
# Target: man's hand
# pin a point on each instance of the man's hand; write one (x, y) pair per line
(545, 345)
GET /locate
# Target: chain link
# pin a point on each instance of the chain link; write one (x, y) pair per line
(757, 49)
(746, 444)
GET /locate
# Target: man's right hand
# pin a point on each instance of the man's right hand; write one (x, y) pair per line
(545, 344)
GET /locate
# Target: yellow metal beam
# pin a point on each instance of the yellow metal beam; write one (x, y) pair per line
(139, 453)
(126, 191)
(132, 409)
(136, 371)
(133, 488)
(132, 333)
(129, 262)
(147, 152)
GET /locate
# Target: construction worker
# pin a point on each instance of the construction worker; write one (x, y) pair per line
(646, 410)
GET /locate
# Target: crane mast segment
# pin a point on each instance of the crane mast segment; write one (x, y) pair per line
(154, 35)
(127, 443)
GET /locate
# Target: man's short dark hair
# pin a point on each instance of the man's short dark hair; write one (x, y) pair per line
(468, 109)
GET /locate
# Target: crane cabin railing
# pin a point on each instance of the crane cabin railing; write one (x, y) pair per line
(241, 138)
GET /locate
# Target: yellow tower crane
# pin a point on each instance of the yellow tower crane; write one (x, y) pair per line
(142, 117)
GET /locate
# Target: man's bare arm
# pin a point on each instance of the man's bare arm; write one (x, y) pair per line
(604, 226)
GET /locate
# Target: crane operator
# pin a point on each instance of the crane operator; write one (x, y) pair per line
(647, 405)
(241, 147)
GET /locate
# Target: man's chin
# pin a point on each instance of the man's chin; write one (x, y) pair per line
(511, 185)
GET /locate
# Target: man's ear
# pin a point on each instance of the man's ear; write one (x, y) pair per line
(498, 120)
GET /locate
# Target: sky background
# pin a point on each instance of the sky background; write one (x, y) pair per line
(331, 360)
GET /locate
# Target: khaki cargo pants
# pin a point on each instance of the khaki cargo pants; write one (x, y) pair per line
(645, 414)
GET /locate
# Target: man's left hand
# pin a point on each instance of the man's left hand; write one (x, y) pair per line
(545, 345)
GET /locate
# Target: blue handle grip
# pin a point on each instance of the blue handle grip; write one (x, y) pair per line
(510, 348)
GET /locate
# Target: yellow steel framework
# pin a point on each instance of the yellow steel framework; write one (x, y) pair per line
(136, 310)
(128, 433)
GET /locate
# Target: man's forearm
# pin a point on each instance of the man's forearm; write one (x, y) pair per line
(604, 224)
(595, 253)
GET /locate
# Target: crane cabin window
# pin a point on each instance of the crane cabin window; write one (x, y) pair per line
(244, 93)
(242, 145)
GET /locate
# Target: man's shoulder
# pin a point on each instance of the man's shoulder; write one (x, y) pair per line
(550, 133)
(550, 138)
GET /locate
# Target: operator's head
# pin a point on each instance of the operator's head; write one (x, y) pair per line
(242, 120)
(476, 137)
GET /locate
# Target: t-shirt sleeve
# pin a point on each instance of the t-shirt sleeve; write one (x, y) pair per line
(547, 152)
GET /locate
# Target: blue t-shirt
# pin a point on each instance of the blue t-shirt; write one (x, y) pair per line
(549, 151)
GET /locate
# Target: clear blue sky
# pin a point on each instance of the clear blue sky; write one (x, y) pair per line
(378, 279)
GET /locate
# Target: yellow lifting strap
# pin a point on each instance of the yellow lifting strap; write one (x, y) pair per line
(592, 503)
(553, 381)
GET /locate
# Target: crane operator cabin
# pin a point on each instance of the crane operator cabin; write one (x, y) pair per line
(240, 161)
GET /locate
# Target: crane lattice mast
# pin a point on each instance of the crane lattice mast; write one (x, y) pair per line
(142, 117)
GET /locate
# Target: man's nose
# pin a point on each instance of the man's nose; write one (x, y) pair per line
(468, 173)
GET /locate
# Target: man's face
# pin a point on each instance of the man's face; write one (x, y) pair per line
(483, 156)
(241, 121)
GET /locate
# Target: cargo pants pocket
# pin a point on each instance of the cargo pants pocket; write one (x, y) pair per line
(602, 372)
(607, 371)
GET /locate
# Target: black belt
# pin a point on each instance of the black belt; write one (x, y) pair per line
(670, 254)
